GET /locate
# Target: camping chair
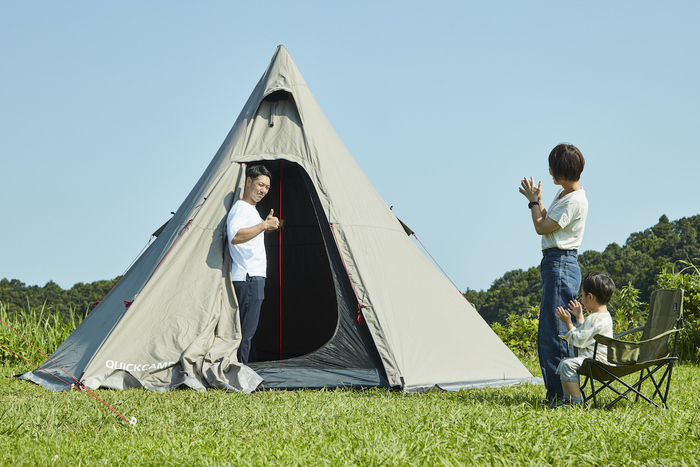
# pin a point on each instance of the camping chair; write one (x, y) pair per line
(648, 356)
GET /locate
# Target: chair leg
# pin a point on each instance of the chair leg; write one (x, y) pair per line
(668, 384)
(620, 395)
(658, 386)
(639, 383)
(636, 388)
(632, 388)
(666, 377)
(590, 377)
(582, 388)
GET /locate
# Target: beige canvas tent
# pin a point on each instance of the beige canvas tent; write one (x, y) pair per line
(350, 299)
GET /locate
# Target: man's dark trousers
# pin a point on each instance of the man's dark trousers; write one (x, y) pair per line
(250, 294)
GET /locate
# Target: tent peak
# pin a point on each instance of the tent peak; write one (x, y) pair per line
(281, 49)
(281, 74)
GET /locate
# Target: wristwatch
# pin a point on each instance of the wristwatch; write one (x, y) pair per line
(532, 203)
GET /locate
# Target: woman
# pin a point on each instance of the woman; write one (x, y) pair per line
(561, 227)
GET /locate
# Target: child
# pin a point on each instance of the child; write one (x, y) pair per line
(561, 227)
(598, 288)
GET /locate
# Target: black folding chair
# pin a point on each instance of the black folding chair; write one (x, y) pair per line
(653, 355)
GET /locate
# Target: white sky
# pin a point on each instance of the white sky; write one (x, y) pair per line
(110, 112)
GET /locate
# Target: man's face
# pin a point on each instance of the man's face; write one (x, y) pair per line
(258, 188)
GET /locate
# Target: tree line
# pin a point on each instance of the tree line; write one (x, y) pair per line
(81, 298)
(638, 262)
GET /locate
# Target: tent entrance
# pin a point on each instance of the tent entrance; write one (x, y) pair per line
(322, 343)
(300, 310)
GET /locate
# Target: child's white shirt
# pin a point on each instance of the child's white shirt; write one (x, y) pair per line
(582, 335)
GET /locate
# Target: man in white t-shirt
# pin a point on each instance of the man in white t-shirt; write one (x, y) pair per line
(247, 248)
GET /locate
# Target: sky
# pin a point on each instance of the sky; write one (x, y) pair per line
(111, 111)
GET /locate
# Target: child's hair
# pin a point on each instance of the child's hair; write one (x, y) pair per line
(566, 162)
(601, 285)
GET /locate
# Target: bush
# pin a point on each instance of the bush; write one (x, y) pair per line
(627, 310)
(520, 331)
(688, 279)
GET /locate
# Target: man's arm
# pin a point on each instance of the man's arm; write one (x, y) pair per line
(248, 233)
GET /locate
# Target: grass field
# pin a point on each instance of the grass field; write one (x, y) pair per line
(503, 426)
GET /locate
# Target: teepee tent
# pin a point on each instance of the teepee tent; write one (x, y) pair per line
(350, 299)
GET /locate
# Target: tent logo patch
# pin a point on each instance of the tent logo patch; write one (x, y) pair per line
(114, 365)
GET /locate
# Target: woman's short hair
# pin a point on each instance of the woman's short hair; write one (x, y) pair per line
(566, 162)
(601, 285)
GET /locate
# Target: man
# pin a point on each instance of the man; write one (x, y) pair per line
(247, 249)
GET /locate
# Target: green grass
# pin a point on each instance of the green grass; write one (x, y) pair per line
(341, 427)
(504, 426)
(44, 329)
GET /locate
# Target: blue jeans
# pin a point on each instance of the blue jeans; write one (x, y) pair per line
(561, 278)
(250, 294)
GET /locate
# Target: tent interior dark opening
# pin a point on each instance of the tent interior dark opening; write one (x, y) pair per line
(302, 300)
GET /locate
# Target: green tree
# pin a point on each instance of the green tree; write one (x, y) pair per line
(626, 309)
(18, 297)
(635, 264)
(686, 276)
(516, 291)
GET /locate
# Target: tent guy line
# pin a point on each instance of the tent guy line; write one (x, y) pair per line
(76, 385)
(436, 263)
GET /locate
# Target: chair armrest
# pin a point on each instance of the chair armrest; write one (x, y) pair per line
(629, 331)
(613, 340)
(626, 353)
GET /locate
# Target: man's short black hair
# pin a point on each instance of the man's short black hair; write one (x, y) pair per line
(254, 171)
(601, 285)
(566, 162)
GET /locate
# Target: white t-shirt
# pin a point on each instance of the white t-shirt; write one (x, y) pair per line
(570, 213)
(249, 257)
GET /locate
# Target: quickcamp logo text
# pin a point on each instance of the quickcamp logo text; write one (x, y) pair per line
(112, 365)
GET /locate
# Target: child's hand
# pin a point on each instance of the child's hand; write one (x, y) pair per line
(576, 310)
(563, 315)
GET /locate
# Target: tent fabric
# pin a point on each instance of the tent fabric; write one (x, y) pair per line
(350, 299)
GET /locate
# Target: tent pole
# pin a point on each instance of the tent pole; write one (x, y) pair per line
(279, 233)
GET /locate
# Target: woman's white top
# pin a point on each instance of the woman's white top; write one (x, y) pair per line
(569, 211)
